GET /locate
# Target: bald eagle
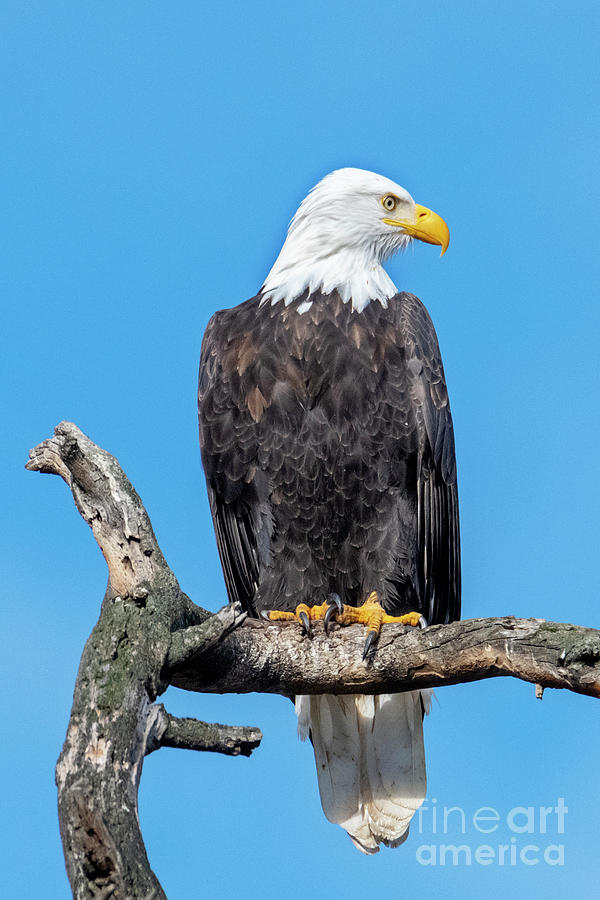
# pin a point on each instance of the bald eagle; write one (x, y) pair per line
(328, 450)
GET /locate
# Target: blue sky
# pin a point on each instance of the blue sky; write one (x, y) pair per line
(153, 155)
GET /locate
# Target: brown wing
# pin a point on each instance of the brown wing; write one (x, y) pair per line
(437, 495)
(230, 404)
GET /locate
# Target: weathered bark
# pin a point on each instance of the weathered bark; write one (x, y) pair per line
(150, 635)
(114, 721)
(279, 658)
(191, 734)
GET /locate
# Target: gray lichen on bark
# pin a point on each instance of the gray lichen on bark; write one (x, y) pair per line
(114, 720)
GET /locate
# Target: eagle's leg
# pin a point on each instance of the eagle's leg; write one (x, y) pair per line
(306, 614)
(373, 615)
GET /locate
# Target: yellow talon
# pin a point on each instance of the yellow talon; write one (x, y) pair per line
(371, 614)
(311, 612)
(411, 618)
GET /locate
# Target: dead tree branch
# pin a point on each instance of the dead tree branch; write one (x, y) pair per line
(114, 720)
(191, 734)
(279, 658)
(150, 635)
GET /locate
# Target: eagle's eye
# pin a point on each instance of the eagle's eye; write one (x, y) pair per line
(389, 202)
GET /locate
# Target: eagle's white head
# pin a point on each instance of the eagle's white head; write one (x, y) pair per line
(341, 235)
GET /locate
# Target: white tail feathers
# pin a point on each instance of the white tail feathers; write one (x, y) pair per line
(370, 761)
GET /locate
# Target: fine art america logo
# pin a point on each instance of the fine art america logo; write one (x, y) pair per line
(523, 835)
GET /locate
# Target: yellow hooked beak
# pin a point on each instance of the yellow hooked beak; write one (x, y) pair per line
(427, 227)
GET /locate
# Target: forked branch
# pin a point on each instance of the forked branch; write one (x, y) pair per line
(150, 635)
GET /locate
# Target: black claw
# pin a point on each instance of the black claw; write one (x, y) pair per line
(264, 615)
(305, 621)
(371, 638)
(330, 614)
(335, 607)
(335, 600)
(423, 623)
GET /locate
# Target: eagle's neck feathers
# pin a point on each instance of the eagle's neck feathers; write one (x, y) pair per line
(357, 276)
